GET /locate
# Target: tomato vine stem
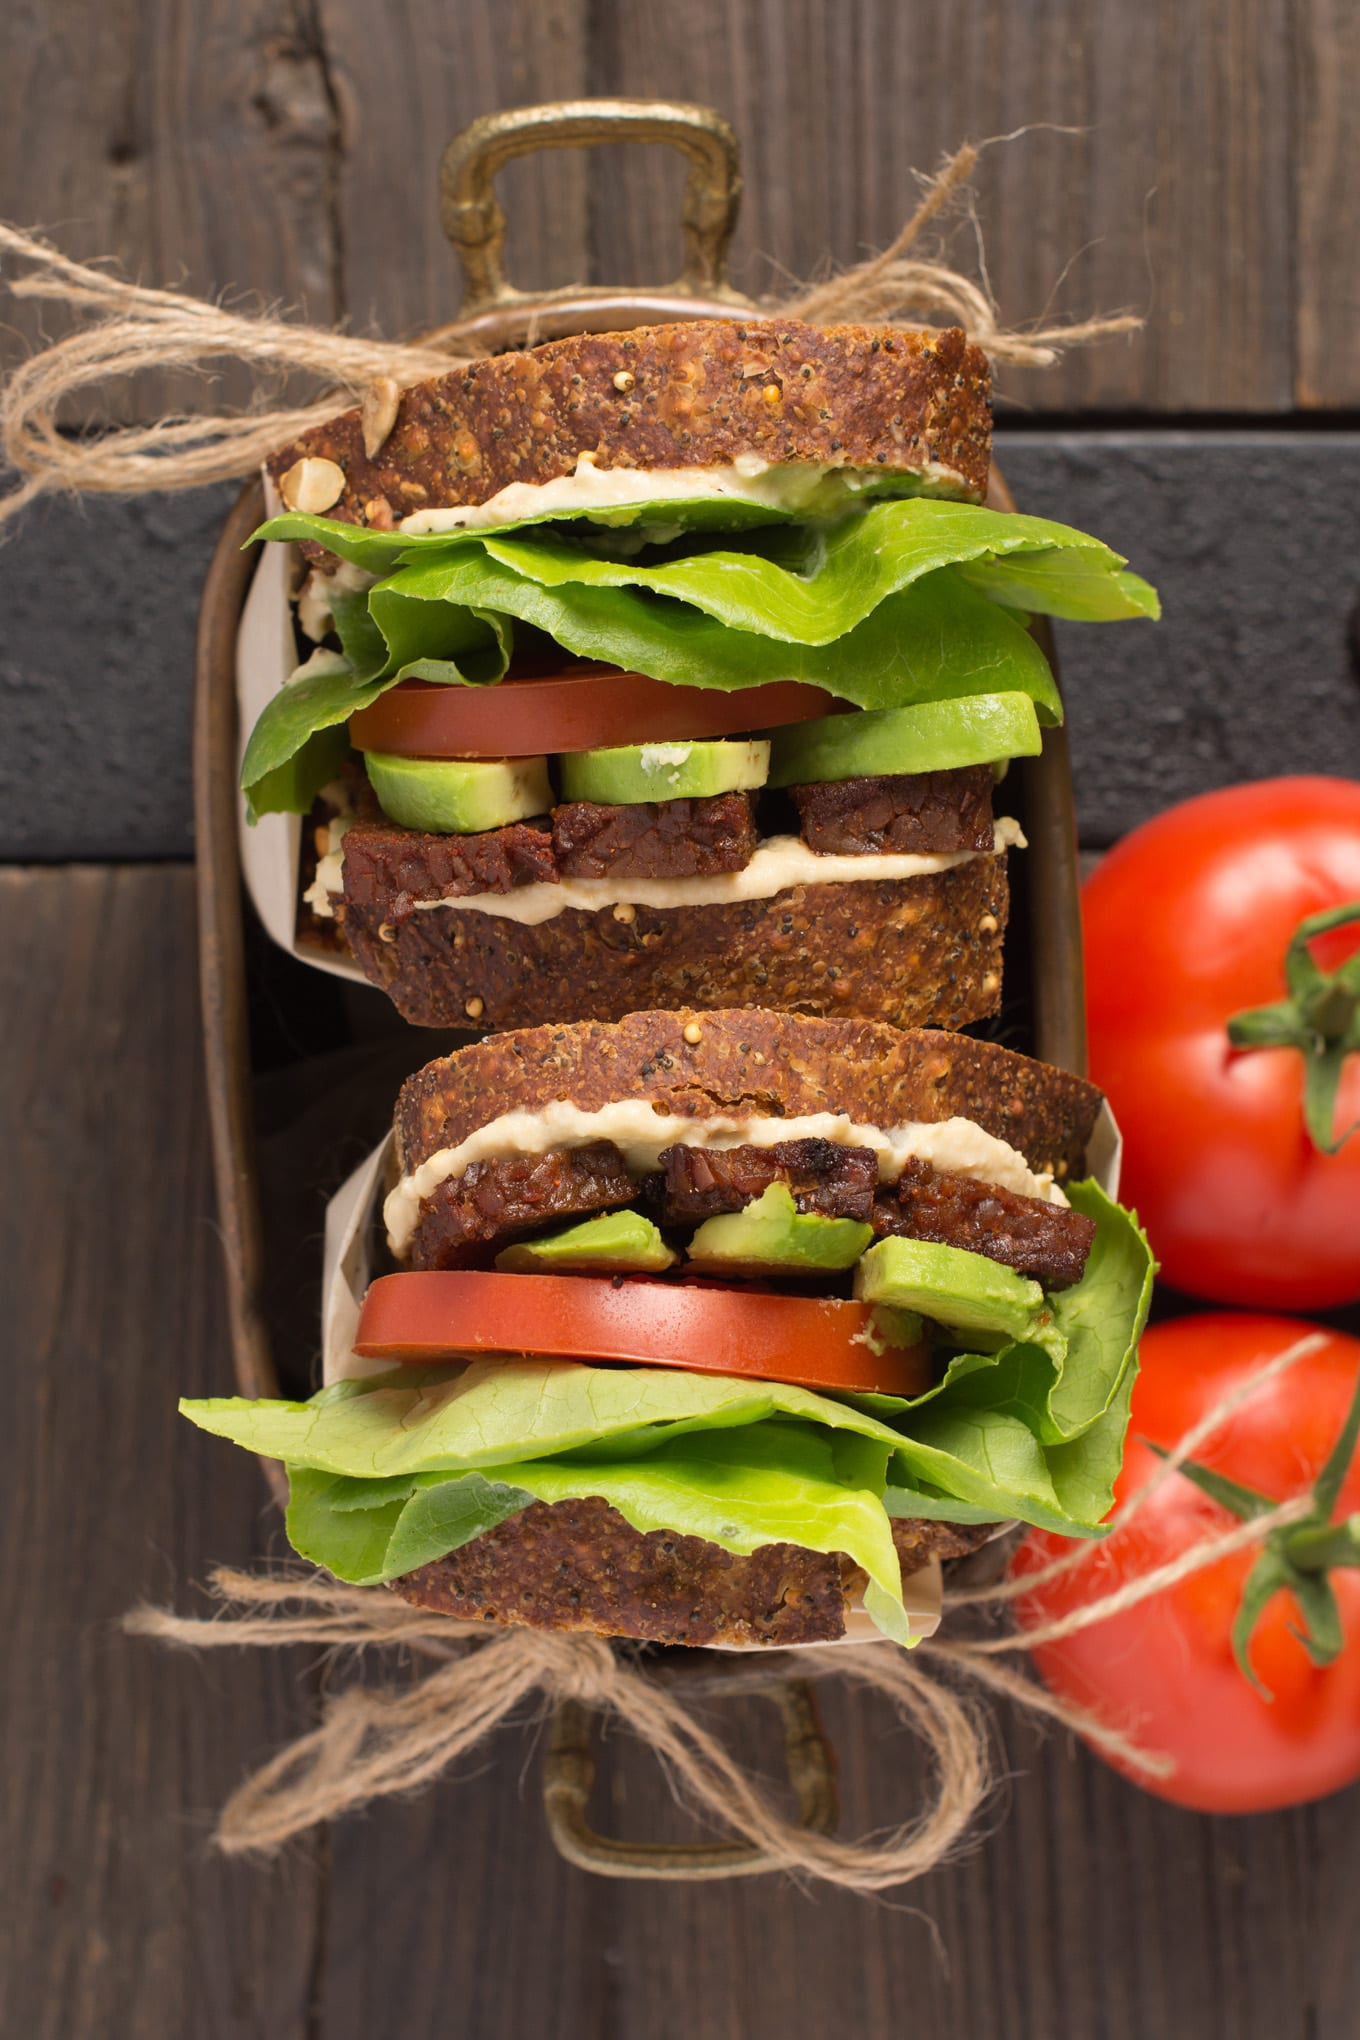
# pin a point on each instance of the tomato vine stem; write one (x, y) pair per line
(1298, 1557)
(1320, 1017)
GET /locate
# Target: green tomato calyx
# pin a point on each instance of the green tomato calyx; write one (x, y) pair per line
(1297, 1556)
(1320, 1017)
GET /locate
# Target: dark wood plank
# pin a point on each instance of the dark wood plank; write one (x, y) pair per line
(1083, 1910)
(1086, 1911)
(1174, 199)
(291, 150)
(454, 1914)
(114, 1915)
(194, 143)
(409, 77)
(1327, 175)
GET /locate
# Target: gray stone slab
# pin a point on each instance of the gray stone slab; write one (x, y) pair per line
(98, 602)
(1253, 539)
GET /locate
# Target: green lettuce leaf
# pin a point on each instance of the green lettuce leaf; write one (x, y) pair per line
(1023, 1424)
(456, 645)
(370, 1531)
(1066, 582)
(936, 639)
(379, 551)
(290, 788)
(393, 1470)
(495, 1412)
(768, 1483)
(905, 601)
(844, 569)
(810, 586)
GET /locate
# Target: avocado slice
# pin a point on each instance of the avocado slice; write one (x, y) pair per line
(615, 1243)
(771, 1234)
(964, 1291)
(683, 771)
(930, 736)
(459, 796)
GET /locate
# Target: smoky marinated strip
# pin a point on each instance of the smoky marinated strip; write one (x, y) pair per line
(467, 1219)
(920, 813)
(834, 1181)
(654, 839)
(387, 869)
(1045, 1241)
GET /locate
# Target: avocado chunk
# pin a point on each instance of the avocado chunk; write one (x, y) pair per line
(771, 1234)
(459, 796)
(683, 771)
(930, 736)
(615, 1243)
(964, 1291)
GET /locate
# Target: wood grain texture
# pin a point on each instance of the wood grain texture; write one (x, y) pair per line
(114, 1916)
(1327, 140)
(408, 78)
(1196, 164)
(1084, 1911)
(1173, 199)
(194, 141)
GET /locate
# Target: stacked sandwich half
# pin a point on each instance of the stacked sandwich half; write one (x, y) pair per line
(662, 687)
(680, 665)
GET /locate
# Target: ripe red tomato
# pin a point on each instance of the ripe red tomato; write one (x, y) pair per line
(1165, 1670)
(1187, 922)
(426, 1315)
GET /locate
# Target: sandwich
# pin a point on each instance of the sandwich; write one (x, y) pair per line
(718, 1328)
(673, 666)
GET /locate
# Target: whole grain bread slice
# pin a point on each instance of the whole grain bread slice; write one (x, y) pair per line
(924, 951)
(581, 1566)
(692, 395)
(751, 1060)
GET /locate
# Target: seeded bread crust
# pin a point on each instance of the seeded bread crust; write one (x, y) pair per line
(579, 1565)
(695, 394)
(917, 952)
(780, 1064)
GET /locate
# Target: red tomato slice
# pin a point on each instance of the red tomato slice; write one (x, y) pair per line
(812, 1342)
(573, 711)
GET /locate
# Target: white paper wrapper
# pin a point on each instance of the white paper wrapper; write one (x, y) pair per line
(271, 850)
(1105, 1152)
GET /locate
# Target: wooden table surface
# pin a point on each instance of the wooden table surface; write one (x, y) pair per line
(1086, 1910)
(1202, 165)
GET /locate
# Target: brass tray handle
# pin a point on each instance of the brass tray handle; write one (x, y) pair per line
(569, 1775)
(475, 223)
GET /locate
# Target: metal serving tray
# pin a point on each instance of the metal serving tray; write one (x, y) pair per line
(303, 1067)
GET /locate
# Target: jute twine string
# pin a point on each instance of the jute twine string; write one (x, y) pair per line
(131, 328)
(376, 1740)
